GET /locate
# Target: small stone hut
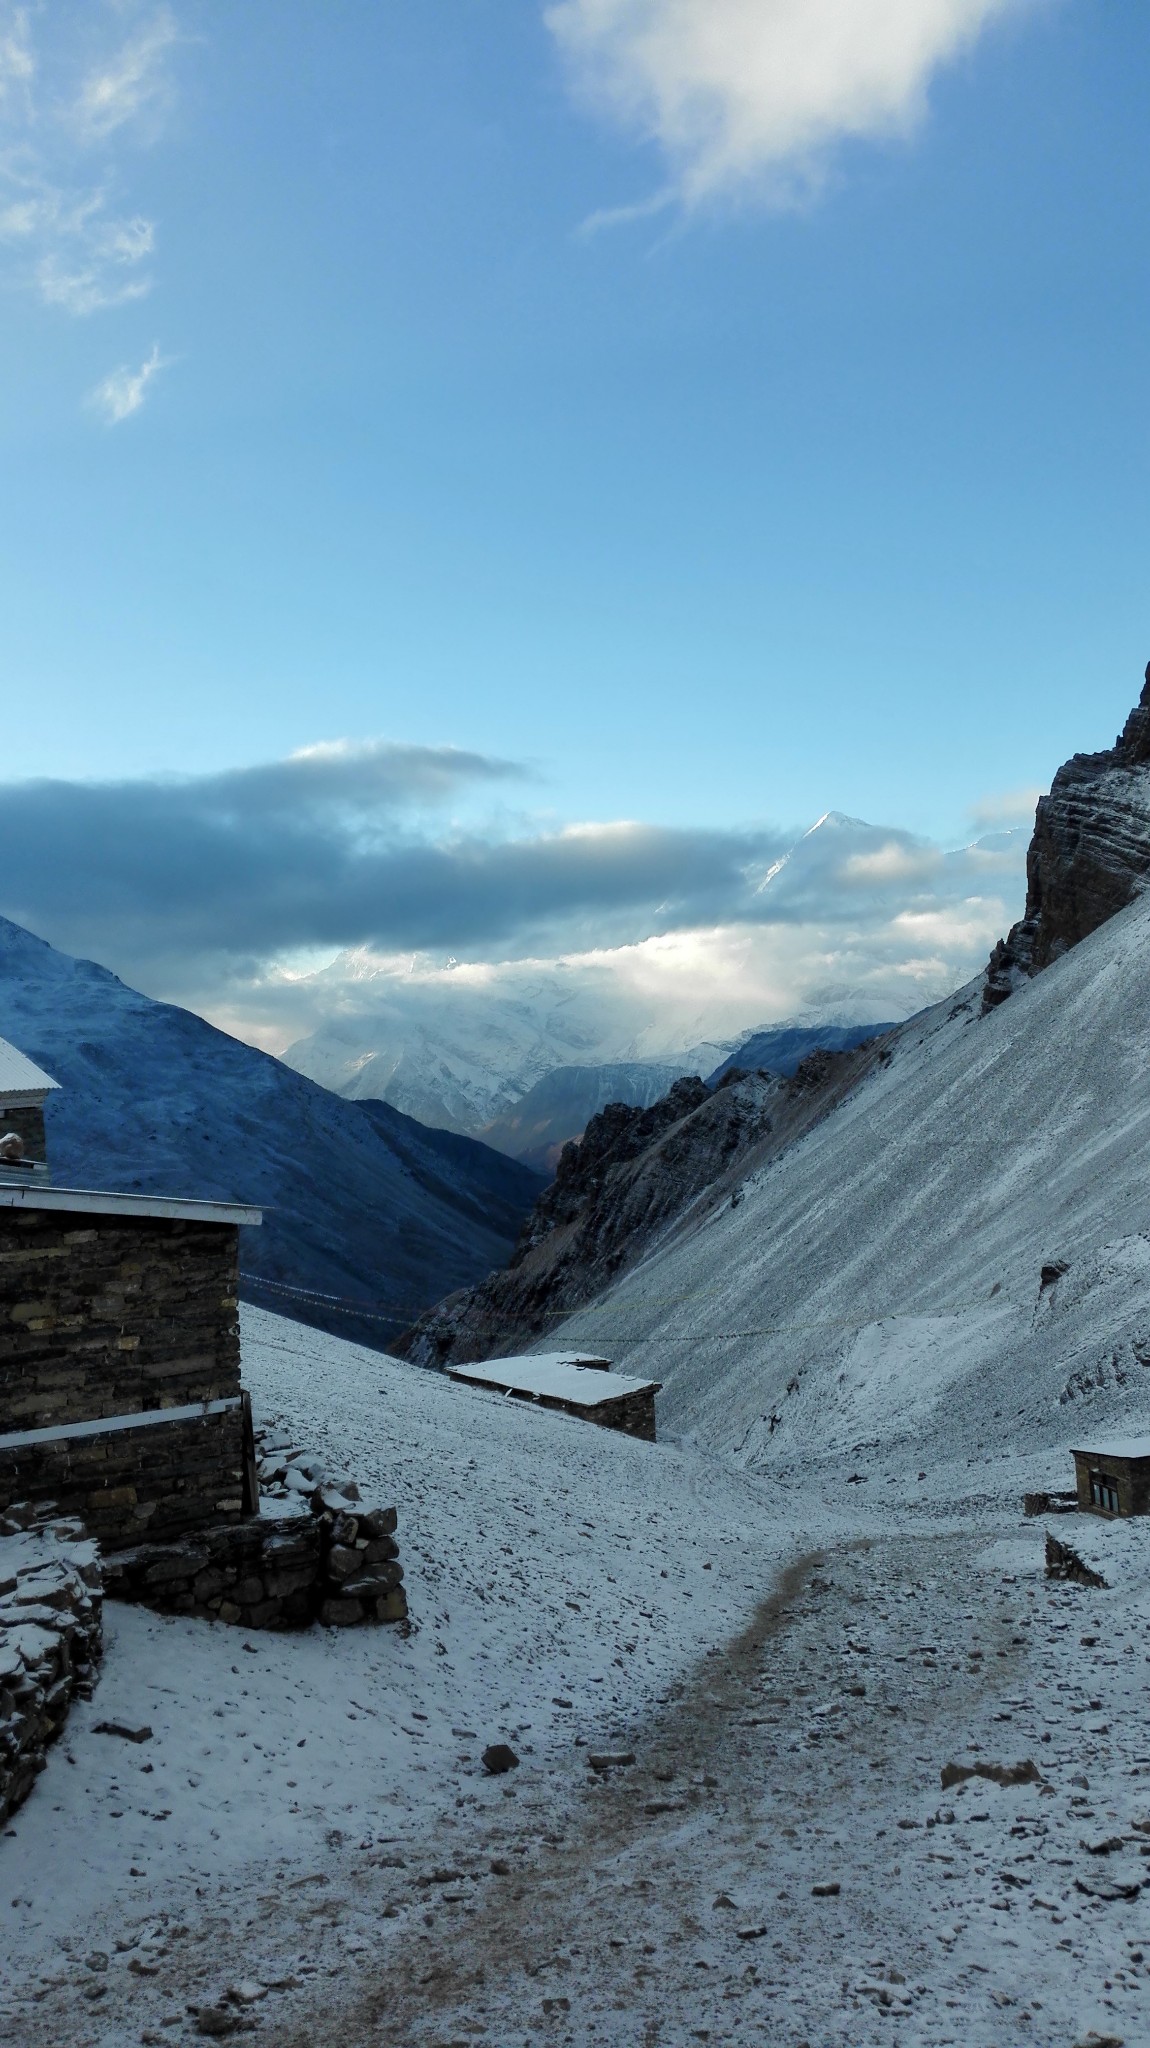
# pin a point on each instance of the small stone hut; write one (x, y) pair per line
(120, 1395)
(1113, 1477)
(575, 1382)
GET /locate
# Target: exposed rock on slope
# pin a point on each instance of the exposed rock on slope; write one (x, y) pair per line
(360, 1202)
(1089, 857)
(783, 1047)
(635, 1178)
(560, 1105)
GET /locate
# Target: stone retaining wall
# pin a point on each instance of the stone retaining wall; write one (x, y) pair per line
(275, 1571)
(50, 1640)
(158, 1480)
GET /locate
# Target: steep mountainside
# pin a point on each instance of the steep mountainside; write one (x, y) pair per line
(961, 1251)
(781, 1049)
(361, 1203)
(561, 1105)
(1089, 857)
(638, 1175)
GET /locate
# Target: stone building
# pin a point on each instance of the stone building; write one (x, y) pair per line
(574, 1382)
(120, 1395)
(1114, 1477)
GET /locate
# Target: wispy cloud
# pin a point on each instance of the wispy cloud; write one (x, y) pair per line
(1005, 808)
(131, 84)
(123, 391)
(17, 62)
(68, 240)
(748, 97)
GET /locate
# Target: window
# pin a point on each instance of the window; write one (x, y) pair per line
(1104, 1492)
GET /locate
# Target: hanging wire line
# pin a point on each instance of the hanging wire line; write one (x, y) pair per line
(345, 1304)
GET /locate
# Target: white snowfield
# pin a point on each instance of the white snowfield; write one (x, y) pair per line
(810, 1750)
(891, 1263)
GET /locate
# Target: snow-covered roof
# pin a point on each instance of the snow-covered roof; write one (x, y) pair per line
(99, 1202)
(20, 1078)
(572, 1376)
(1117, 1447)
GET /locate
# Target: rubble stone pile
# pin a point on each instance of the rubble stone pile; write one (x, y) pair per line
(316, 1553)
(51, 1637)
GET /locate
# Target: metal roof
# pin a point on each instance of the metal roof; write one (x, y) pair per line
(99, 1202)
(583, 1381)
(1116, 1447)
(21, 1076)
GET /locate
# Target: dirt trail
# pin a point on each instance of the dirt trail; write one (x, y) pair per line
(779, 1863)
(675, 1901)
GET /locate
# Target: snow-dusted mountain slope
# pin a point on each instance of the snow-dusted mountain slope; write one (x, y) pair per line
(882, 1281)
(361, 1203)
(560, 1106)
(779, 1050)
(460, 1047)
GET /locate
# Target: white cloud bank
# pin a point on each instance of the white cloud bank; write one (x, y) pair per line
(748, 96)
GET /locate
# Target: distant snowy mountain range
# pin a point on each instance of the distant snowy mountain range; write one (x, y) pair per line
(459, 1047)
(881, 923)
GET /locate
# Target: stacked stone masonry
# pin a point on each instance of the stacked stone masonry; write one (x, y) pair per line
(335, 1565)
(109, 1316)
(160, 1480)
(50, 1639)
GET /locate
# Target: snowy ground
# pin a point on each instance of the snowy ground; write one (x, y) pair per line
(792, 1663)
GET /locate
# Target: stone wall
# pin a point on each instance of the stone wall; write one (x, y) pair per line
(158, 1480)
(50, 1640)
(335, 1565)
(634, 1414)
(103, 1315)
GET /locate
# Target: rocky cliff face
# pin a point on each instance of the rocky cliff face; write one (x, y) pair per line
(1089, 857)
(635, 1178)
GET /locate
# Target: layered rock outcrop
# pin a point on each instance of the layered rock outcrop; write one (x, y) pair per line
(1089, 857)
(635, 1176)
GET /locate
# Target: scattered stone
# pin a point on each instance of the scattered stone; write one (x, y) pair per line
(217, 2021)
(248, 1992)
(610, 1759)
(499, 1757)
(826, 1891)
(1107, 1892)
(1105, 1846)
(1025, 1773)
(130, 1732)
(753, 1933)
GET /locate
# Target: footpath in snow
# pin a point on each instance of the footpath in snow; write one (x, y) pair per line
(308, 1850)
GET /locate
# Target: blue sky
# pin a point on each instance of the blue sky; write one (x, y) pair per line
(333, 409)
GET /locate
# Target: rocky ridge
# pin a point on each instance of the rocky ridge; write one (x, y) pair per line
(636, 1177)
(1089, 856)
